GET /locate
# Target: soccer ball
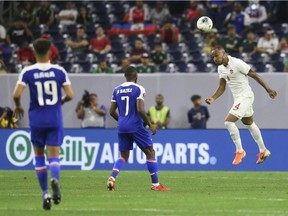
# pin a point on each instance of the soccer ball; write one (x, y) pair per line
(205, 24)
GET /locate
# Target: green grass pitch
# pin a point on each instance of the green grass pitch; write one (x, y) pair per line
(193, 193)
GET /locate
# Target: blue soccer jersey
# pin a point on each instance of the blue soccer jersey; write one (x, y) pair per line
(126, 96)
(45, 81)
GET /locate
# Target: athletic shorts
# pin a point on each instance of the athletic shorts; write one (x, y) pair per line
(243, 107)
(142, 139)
(46, 136)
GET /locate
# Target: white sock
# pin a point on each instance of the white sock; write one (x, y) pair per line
(235, 135)
(155, 184)
(256, 134)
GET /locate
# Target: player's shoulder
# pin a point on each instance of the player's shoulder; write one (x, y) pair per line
(131, 84)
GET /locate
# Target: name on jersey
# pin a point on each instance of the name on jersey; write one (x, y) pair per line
(126, 90)
(41, 75)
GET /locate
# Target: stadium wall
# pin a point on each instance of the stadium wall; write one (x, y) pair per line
(177, 90)
(90, 149)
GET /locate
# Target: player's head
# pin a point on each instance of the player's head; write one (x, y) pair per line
(131, 74)
(159, 99)
(218, 54)
(196, 100)
(42, 47)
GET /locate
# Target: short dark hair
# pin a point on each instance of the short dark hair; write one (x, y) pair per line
(139, 39)
(41, 46)
(130, 71)
(195, 97)
(159, 95)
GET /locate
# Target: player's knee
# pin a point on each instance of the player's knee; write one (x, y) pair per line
(149, 152)
(228, 124)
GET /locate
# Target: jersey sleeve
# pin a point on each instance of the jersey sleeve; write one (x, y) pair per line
(66, 80)
(113, 99)
(243, 67)
(142, 93)
(22, 79)
(221, 76)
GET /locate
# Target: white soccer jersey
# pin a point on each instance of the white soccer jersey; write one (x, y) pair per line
(235, 74)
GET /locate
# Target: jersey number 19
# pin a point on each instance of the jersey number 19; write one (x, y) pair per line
(48, 88)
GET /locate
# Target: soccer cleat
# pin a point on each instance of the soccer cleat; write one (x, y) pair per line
(262, 156)
(238, 158)
(111, 184)
(160, 187)
(47, 201)
(56, 195)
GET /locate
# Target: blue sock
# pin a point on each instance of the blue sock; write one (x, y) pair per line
(54, 163)
(41, 171)
(153, 169)
(117, 167)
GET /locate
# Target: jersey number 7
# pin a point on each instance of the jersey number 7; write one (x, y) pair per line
(126, 98)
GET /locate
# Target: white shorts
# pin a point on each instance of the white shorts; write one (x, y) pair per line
(243, 107)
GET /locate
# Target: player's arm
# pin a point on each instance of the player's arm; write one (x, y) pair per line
(142, 113)
(18, 111)
(69, 94)
(220, 90)
(272, 93)
(112, 111)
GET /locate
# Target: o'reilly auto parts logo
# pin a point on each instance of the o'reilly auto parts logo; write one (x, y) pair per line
(19, 148)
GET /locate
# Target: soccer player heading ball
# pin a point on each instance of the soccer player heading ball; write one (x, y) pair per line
(45, 81)
(235, 72)
(129, 99)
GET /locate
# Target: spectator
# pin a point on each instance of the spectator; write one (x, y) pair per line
(249, 45)
(199, 114)
(25, 55)
(139, 13)
(232, 42)
(211, 40)
(124, 64)
(193, 10)
(79, 44)
(6, 118)
(160, 14)
(44, 14)
(146, 66)
(100, 44)
(27, 13)
(103, 68)
(158, 57)
(18, 32)
(238, 18)
(54, 53)
(283, 45)
(159, 114)
(218, 10)
(286, 63)
(91, 114)
(68, 16)
(5, 51)
(256, 12)
(137, 52)
(84, 17)
(268, 43)
(2, 34)
(2, 67)
(169, 34)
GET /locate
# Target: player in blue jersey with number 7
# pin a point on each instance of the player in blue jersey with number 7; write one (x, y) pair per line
(128, 98)
(45, 82)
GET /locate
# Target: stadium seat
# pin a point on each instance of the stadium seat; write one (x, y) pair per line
(116, 47)
(86, 68)
(279, 66)
(182, 67)
(173, 47)
(71, 30)
(67, 66)
(201, 67)
(61, 46)
(259, 67)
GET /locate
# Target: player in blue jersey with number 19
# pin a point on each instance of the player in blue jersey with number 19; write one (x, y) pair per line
(129, 99)
(45, 82)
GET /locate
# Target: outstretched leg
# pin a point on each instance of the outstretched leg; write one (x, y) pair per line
(153, 169)
(42, 175)
(256, 134)
(235, 135)
(54, 163)
(118, 165)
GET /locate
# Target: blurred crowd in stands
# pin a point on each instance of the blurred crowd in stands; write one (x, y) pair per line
(256, 31)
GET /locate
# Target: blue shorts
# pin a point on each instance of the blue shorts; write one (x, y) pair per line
(46, 136)
(142, 138)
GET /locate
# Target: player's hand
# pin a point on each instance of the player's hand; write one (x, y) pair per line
(153, 129)
(19, 112)
(209, 100)
(272, 93)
